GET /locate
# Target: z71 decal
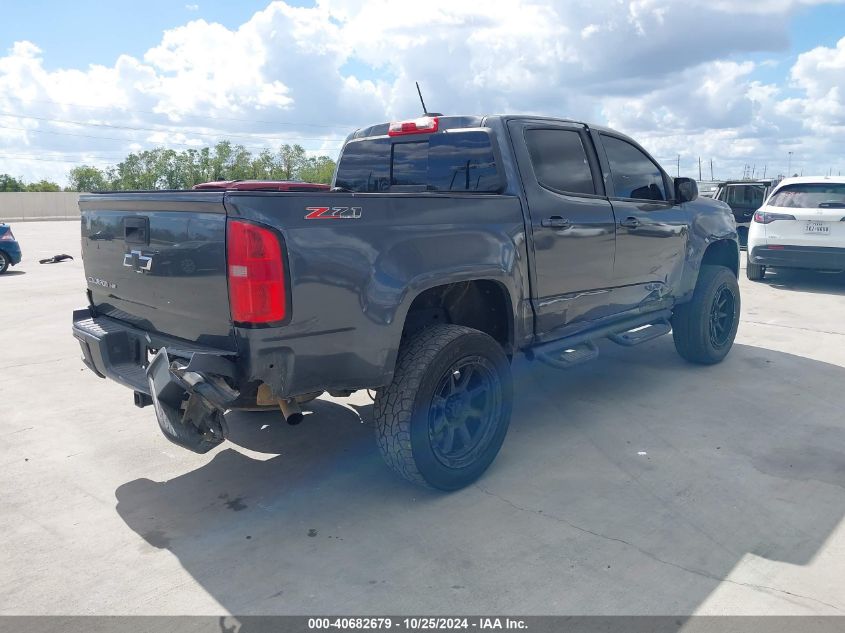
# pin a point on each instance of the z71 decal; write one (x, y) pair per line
(333, 213)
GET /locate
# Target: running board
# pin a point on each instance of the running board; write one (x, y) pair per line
(580, 348)
(641, 334)
(566, 357)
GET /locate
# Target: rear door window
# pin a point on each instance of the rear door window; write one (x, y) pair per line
(462, 160)
(634, 174)
(560, 160)
(749, 197)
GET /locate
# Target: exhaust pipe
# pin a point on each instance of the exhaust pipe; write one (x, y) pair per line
(291, 411)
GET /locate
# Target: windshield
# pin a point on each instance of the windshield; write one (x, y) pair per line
(810, 196)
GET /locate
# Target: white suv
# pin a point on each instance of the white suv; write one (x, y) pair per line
(801, 225)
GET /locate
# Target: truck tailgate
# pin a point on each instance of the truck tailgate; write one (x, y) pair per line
(158, 262)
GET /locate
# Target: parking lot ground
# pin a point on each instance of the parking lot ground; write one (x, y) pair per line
(637, 484)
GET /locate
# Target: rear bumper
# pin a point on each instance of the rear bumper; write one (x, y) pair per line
(13, 250)
(292, 361)
(190, 387)
(818, 258)
(113, 349)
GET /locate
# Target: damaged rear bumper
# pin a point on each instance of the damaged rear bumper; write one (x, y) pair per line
(190, 386)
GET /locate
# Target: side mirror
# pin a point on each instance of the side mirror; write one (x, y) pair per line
(686, 190)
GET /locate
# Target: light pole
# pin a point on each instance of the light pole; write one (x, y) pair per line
(789, 166)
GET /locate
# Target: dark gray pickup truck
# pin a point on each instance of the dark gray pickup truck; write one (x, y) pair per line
(447, 245)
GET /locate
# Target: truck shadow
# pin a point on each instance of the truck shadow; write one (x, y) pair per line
(633, 485)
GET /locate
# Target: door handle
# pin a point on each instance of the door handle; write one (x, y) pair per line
(136, 230)
(556, 222)
(630, 223)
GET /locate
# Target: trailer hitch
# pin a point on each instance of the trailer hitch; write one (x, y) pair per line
(190, 401)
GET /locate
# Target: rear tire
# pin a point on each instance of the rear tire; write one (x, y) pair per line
(742, 237)
(755, 272)
(704, 328)
(443, 418)
(4, 262)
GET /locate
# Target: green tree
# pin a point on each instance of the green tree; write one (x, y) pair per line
(189, 168)
(8, 183)
(318, 169)
(263, 165)
(161, 168)
(240, 164)
(86, 178)
(220, 160)
(43, 185)
(291, 161)
(128, 173)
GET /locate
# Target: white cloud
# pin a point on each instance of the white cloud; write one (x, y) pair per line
(820, 73)
(192, 7)
(669, 73)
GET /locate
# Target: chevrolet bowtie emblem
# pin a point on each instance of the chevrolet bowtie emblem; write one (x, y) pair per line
(137, 261)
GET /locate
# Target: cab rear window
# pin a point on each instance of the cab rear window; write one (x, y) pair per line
(810, 196)
(462, 160)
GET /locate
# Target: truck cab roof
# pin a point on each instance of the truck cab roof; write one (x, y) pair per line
(472, 120)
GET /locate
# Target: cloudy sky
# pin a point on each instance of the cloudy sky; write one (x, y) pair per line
(741, 83)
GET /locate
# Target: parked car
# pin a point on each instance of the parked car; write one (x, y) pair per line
(801, 225)
(744, 197)
(447, 245)
(10, 250)
(708, 188)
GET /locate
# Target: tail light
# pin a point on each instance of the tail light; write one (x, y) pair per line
(257, 288)
(7, 236)
(765, 217)
(423, 125)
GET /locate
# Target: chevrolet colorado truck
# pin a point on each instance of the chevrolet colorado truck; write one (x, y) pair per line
(446, 246)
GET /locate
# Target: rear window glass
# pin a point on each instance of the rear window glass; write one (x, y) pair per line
(810, 196)
(746, 196)
(455, 161)
(410, 164)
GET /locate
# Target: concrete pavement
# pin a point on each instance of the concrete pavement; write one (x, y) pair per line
(637, 484)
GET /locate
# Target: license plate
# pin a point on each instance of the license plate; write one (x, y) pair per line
(817, 228)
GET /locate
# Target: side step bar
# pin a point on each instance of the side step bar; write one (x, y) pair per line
(641, 334)
(580, 348)
(568, 356)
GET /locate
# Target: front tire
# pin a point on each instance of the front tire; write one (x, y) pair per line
(704, 329)
(443, 418)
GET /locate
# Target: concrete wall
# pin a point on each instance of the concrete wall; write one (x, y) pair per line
(52, 205)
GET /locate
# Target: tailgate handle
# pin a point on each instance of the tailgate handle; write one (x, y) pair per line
(136, 230)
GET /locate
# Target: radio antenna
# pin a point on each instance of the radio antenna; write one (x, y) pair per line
(419, 92)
